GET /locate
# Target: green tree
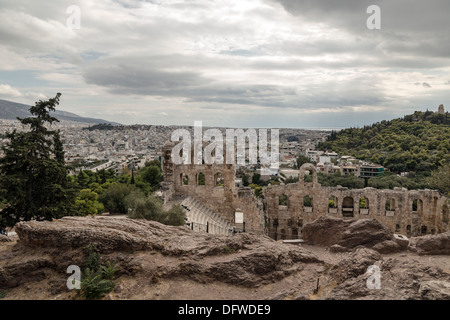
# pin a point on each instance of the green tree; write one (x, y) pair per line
(151, 208)
(301, 160)
(33, 176)
(87, 204)
(83, 179)
(245, 181)
(155, 163)
(151, 175)
(440, 179)
(256, 178)
(114, 197)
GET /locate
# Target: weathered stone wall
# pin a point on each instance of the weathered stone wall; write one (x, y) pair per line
(427, 216)
(218, 192)
(286, 221)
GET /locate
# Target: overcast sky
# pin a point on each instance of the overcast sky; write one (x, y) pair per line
(229, 63)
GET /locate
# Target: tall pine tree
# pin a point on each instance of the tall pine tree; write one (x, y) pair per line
(33, 175)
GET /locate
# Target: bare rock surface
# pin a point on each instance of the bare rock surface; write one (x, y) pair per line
(329, 231)
(431, 244)
(243, 259)
(405, 279)
(325, 231)
(163, 262)
(364, 232)
(435, 290)
(387, 246)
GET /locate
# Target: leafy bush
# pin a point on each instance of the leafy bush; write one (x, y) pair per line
(151, 208)
(86, 203)
(114, 197)
(97, 280)
(93, 286)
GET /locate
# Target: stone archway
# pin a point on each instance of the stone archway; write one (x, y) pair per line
(347, 207)
(201, 179)
(303, 168)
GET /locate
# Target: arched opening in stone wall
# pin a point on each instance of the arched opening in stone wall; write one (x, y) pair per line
(364, 205)
(397, 228)
(390, 207)
(307, 203)
(201, 179)
(408, 230)
(184, 179)
(294, 234)
(423, 230)
(347, 207)
(283, 200)
(283, 234)
(218, 179)
(332, 205)
(417, 206)
(311, 169)
(308, 176)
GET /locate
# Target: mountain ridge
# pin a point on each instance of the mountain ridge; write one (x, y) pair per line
(10, 110)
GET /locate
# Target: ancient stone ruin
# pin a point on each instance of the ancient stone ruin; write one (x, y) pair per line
(408, 212)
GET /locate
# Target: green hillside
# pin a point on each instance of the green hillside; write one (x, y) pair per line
(419, 142)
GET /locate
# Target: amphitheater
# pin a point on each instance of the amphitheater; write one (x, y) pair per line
(215, 205)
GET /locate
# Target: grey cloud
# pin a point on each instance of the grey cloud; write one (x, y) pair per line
(426, 85)
(130, 79)
(397, 16)
(416, 27)
(141, 80)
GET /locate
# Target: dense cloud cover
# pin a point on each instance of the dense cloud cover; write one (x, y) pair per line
(248, 63)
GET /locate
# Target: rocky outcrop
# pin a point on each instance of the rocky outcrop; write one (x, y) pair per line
(435, 290)
(364, 232)
(242, 259)
(324, 231)
(431, 244)
(387, 246)
(16, 273)
(356, 264)
(153, 258)
(398, 280)
(328, 231)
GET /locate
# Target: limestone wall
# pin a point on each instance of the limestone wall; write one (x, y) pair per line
(412, 213)
(408, 212)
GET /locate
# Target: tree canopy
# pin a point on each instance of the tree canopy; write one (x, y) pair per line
(33, 175)
(419, 142)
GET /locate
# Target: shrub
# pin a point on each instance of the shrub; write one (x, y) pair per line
(114, 197)
(97, 280)
(93, 286)
(151, 208)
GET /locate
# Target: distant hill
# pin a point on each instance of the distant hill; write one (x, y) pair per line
(419, 142)
(12, 110)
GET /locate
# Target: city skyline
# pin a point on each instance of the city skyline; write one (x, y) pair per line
(252, 63)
